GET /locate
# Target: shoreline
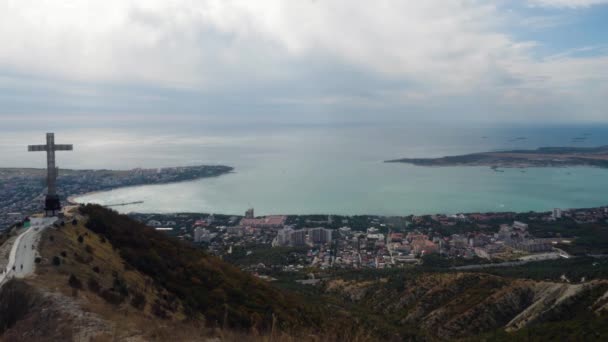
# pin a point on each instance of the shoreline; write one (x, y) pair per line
(72, 201)
(494, 212)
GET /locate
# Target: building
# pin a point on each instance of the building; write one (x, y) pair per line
(283, 236)
(344, 230)
(424, 247)
(372, 230)
(273, 221)
(533, 245)
(459, 241)
(478, 240)
(556, 214)
(236, 230)
(153, 223)
(396, 237)
(291, 237)
(320, 235)
(201, 234)
(298, 237)
(489, 251)
(520, 225)
(249, 214)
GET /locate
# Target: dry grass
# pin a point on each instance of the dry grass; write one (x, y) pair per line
(80, 260)
(125, 321)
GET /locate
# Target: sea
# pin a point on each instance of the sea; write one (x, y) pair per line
(325, 168)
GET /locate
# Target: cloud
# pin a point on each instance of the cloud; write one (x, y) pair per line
(217, 55)
(185, 43)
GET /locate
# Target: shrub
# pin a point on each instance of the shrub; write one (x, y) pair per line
(74, 282)
(158, 310)
(56, 261)
(112, 297)
(89, 249)
(138, 301)
(64, 254)
(121, 286)
(96, 269)
(80, 239)
(38, 260)
(93, 285)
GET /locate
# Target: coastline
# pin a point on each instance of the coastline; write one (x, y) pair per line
(71, 199)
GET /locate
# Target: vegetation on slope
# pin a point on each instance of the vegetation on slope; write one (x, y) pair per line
(204, 284)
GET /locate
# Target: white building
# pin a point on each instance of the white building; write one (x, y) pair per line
(201, 234)
(520, 225)
(154, 223)
(556, 214)
(283, 236)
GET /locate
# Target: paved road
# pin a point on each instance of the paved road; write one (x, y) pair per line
(22, 257)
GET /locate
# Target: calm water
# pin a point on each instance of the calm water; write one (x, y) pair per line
(299, 169)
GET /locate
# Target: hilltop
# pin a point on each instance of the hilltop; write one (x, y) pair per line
(103, 276)
(540, 157)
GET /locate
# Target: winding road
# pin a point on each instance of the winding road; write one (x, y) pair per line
(23, 253)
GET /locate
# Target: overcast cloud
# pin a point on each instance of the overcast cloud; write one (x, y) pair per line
(386, 59)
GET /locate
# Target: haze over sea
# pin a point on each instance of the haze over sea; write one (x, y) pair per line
(326, 168)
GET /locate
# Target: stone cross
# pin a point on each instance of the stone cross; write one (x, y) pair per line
(52, 203)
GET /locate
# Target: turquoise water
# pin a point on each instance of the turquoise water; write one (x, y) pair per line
(334, 169)
(386, 189)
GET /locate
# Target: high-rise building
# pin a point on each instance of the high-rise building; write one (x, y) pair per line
(249, 213)
(556, 214)
(298, 237)
(290, 237)
(320, 235)
(283, 236)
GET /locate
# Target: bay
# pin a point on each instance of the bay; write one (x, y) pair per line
(335, 169)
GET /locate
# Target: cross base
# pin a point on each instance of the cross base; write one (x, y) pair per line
(52, 205)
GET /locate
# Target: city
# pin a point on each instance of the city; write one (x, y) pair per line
(323, 242)
(22, 190)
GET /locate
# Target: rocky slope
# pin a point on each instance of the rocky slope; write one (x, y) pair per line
(463, 305)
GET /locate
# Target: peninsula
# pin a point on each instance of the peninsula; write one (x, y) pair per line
(540, 157)
(22, 189)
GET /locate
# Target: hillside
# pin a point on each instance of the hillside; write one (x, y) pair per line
(478, 306)
(103, 276)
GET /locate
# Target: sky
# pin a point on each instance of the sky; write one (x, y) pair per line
(142, 62)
